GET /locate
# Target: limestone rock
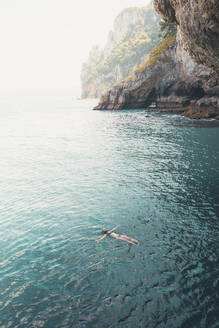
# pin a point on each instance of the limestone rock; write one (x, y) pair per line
(135, 33)
(175, 80)
(198, 23)
(186, 73)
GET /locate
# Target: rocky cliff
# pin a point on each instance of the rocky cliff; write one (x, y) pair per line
(177, 74)
(135, 33)
(198, 25)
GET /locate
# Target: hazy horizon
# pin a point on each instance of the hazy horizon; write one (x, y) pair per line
(45, 42)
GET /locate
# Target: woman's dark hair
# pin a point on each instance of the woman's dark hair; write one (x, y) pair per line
(104, 231)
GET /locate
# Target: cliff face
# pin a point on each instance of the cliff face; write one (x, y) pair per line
(198, 25)
(134, 35)
(171, 77)
(121, 27)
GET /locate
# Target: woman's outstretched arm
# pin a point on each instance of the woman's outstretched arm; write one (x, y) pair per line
(109, 232)
(101, 238)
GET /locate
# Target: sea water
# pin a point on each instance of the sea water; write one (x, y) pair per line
(67, 172)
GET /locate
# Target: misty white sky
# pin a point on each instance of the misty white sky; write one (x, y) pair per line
(44, 42)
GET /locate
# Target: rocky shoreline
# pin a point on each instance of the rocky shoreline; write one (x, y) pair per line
(175, 82)
(192, 112)
(174, 77)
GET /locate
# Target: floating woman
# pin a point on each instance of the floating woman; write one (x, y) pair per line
(115, 235)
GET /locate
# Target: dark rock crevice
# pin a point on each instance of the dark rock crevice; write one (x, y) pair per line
(175, 79)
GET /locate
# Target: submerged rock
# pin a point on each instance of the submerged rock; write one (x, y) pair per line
(201, 112)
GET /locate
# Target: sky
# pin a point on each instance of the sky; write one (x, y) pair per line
(43, 43)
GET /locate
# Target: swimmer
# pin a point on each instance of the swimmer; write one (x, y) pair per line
(115, 235)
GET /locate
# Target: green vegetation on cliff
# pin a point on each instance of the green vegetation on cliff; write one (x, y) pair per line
(167, 29)
(142, 35)
(158, 53)
(138, 42)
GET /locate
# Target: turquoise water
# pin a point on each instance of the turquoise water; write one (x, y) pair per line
(66, 172)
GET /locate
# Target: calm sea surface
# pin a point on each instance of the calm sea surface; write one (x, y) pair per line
(66, 172)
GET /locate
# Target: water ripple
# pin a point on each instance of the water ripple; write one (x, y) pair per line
(88, 170)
